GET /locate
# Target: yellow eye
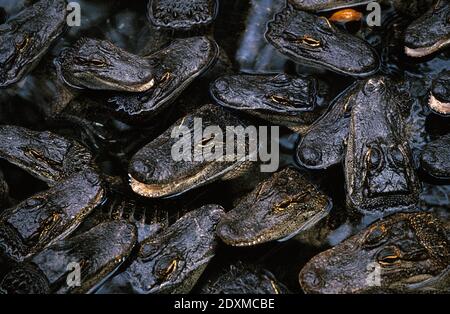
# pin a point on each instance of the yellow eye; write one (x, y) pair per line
(165, 78)
(279, 99)
(388, 256)
(310, 41)
(375, 236)
(172, 267)
(23, 44)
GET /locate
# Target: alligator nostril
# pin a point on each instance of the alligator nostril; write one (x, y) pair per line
(138, 167)
(309, 156)
(312, 279)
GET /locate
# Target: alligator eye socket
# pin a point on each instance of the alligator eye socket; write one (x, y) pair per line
(373, 158)
(165, 78)
(310, 41)
(388, 256)
(23, 44)
(166, 271)
(324, 24)
(97, 63)
(347, 109)
(290, 204)
(375, 236)
(397, 156)
(280, 99)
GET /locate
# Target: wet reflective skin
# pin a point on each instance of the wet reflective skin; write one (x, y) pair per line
(409, 253)
(277, 209)
(440, 95)
(435, 158)
(25, 38)
(175, 67)
(182, 15)
(284, 99)
(172, 261)
(307, 38)
(100, 65)
(46, 217)
(154, 173)
(323, 145)
(98, 252)
(244, 279)
(430, 33)
(325, 5)
(45, 155)
(379, 172)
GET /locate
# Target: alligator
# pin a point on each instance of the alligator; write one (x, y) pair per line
(4, 191)
(48, 216)
(314, 40)
(25, 38)
(283, 99)
(154, 172)
(323, 145)
(173, 260)
(430, 33)
(440, 94)
(435, 158)
(100, 65)
(45, 155)
(96, 254)
(277, 209)
(240, 278)
(175, 68)
(182, 15)
(403, 253)
(379, 170)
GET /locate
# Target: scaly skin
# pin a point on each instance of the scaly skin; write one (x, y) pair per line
(154, 172)
(173, 260)
(182, 15)
(244, 279)
(430, 33)
(100, 65)
(46, 217)
(283, 99)
(45, 155)
(278, 208)
(98, 252)
(435, 158)
(325, 5)
(440, 95)
(26, 37)
(404, 253)
(304, 37)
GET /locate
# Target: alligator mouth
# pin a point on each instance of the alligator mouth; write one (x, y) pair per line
(426, 51)
(442, 108)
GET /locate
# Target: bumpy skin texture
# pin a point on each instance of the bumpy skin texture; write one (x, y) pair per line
(26, 37)
(379, 171)
(154, 172)
(324, 143)
(305, 37)
(40, 220)
(325, 5)
(100, 65)
(283, 99)
(405, 253)
(182, 15)
(435, 158)
(440, 95)
(244, 279)
(172, 261)
(99, 252)
(175, 67)
(278, 208)
(4, 191)
(45, 155)
(430, 33)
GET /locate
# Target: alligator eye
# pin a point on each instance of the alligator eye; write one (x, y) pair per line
(23, 44)
(347, 109)
(310, 41)
(397, 156)
(165, 78)
(374, 158)
(91, 62)
(389, 256)
(324, 25)
(97, 63)
(164, 273)
(375, 236)
(280, 99)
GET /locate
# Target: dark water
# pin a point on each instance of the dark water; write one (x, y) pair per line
(239, 31)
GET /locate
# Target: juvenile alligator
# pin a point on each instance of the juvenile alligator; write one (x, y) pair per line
(282, 99)
(244, 279)
(46, 217)
(435, 158)
(4, 191)
(430, 33)
(154, 172)
(26, 37)
(182, 15)
(404, 253)
(175, 68)
(440, 95)
(100, 65)
(173, 260)
(277, 209)
(45, 155)
(98, 252)
(325, 5)
(323, 145)
(379, 171)
(307, 38)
